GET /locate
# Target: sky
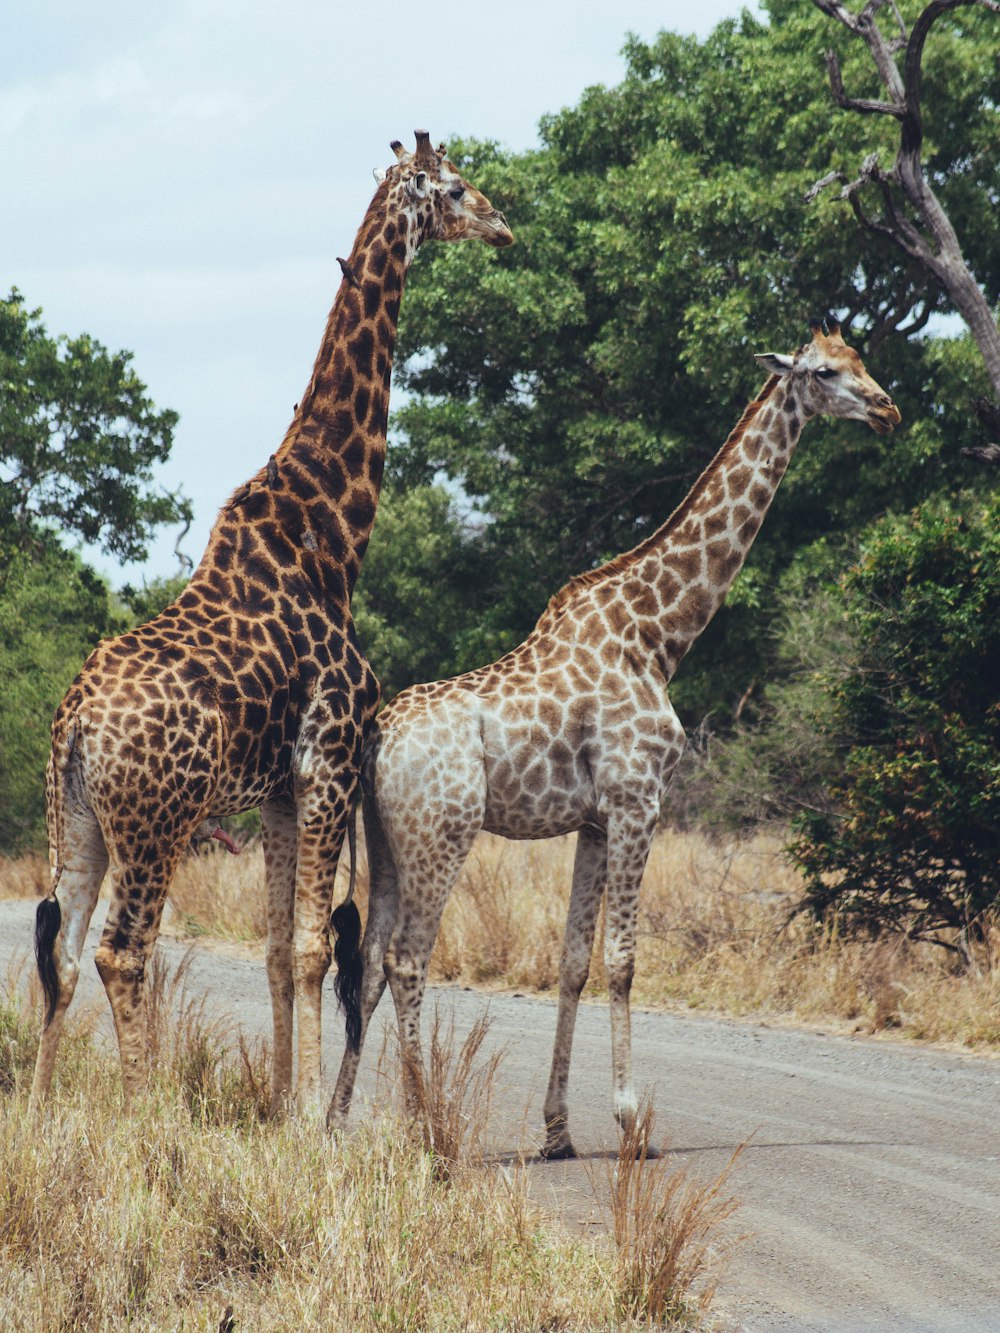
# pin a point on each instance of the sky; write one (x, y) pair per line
(178, 179)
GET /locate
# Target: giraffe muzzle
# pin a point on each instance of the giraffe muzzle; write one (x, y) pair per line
(499, 234)
(884, 416)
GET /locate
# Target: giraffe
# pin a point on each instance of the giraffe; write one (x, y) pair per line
(574, 731)
(251, 689)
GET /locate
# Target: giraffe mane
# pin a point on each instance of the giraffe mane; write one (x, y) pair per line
(620, 562)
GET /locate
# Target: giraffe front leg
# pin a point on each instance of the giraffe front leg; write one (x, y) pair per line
(630, 833)
(589, 871)
(280, 833)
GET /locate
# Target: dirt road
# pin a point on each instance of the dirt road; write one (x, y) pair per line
(871, 1186)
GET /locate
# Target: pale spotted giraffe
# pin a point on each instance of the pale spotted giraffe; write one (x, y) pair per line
(251, 689)
(574, 731)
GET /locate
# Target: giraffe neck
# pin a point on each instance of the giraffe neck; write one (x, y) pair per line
(321, 489)
(678, 578)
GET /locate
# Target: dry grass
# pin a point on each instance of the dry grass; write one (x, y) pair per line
(24, 876)
(191, 1205)
(666, 1228)
(215, 893)
(711, 936)
(450, 1099)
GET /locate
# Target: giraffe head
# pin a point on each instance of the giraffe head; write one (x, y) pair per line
(444, 206)
(832, 380)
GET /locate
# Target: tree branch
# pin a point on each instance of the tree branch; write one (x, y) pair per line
(855, 103)
(926, 235)
(912, 135)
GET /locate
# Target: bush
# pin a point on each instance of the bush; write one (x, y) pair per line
(915, 841)
(53, 610)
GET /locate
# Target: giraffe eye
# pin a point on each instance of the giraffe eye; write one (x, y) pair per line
(826, 373)
(457, 192)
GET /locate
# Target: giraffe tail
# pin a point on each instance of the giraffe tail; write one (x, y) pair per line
(346, 922)
(48, 918)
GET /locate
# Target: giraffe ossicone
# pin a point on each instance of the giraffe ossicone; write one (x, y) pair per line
(251, 689)
(573, 731)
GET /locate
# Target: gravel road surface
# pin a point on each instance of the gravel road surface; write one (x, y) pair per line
(870, 1188)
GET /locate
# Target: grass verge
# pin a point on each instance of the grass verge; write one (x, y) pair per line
(192, 1212)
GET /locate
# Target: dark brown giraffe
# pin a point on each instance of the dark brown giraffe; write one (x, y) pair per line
(251, 689)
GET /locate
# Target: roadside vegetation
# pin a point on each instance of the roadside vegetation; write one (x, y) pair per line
(194, 1212)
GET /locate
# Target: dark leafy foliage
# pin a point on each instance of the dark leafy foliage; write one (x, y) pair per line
(78, 440)
(572, 387)
(915, 841)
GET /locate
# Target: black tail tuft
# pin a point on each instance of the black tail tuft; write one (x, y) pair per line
(48, 919)
(346, 921)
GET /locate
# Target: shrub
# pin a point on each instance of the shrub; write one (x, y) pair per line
(914, 843)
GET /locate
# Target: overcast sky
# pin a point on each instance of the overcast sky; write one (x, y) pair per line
(178, 178)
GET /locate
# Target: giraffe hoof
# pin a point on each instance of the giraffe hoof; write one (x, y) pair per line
(558, 1152)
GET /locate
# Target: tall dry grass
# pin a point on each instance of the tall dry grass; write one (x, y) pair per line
(669, 1231)
(24, 876)
(191, 1212)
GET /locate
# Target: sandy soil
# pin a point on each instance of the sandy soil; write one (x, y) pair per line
(870, 1186)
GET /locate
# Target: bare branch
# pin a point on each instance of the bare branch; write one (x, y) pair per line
(855, 103)
(916, 223)
(984, 453)
(183, 559)
(838, 12)
(907, 235)
(918, 323)
(912, 132)
(819, 186)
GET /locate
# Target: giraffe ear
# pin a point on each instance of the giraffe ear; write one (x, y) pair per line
(379, 174)
(774, 362)
(416, 186)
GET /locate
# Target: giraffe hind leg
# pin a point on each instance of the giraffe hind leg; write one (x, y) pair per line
(383, 901)
(139, 891)
(60, 932)
(423, 895)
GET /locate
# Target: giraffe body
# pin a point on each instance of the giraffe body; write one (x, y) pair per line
(251, 689)
(574, 731)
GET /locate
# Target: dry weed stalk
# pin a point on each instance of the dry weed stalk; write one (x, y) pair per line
(449, 1102)
(223, 1076)
(666, 1228)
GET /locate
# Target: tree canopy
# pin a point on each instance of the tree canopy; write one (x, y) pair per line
(572, 390)
(79, 438)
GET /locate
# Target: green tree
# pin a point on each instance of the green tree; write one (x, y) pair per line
(417, 588)
(78, 440)
(574, 389)
(53, 609)
(914, 840)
